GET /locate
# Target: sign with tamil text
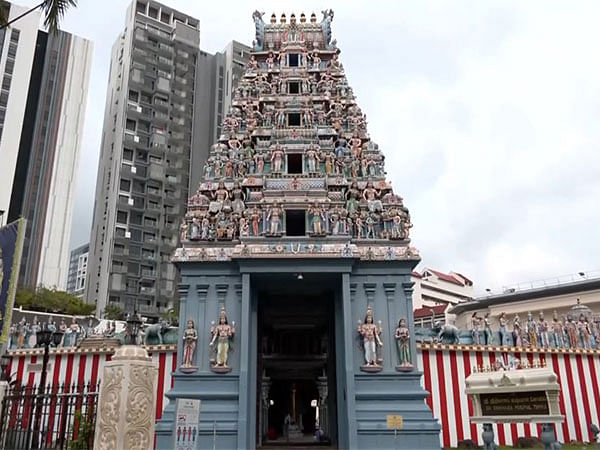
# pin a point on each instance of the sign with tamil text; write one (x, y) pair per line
(515, 404)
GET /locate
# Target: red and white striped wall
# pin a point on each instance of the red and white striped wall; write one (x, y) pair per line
(83, 366)
(445, 368)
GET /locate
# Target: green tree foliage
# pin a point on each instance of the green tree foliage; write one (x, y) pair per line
(171, 315)
(84, 430)
(113, 312)
(52, 300)
(53, 11)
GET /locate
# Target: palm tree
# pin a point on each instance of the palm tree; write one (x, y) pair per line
(54, 11)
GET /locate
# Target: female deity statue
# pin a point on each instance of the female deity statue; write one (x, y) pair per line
(517, 330)
(237, 205)
(370, 334)
(277, 157)
(222, 334)
(571, 328)
(312, 159)
(402, 336)
(190, 336)
(274, 220)
(259, 159)
(318, 220)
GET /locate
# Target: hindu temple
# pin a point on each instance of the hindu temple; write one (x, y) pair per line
(295, 264)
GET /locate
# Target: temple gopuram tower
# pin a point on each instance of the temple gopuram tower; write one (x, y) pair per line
(296, 310)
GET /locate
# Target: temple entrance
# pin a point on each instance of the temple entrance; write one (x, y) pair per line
(296, 362)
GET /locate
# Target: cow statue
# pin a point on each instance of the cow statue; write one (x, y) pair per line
(447, 334)
(156, 329)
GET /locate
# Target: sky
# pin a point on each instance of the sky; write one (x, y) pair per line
(487, 113)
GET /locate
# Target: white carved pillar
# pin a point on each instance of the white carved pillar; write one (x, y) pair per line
(126, 405)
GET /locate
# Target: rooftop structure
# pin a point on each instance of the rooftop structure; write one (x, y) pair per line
(555, 294)
(434, 288)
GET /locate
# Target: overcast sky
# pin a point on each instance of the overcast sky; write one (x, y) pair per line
(487, 113)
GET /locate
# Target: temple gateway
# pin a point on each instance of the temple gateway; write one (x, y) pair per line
(295, 267)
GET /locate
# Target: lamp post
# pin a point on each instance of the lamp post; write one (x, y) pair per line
(44, 337)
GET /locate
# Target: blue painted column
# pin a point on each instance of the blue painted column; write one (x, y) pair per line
(347, 436)
(244, 431)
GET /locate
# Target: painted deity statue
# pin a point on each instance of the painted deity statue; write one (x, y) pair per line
(504, 334)
(222, 334)
(487, 330)
(475, 328)
(370, 334)
(274, 220)
(190, 337)
(531, 329)
(542, 331)
(402, 336)
(558, 331)
(571, 328)
(517, 331)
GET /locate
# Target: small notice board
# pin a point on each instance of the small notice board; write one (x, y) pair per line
(187, 420)
(395, 422)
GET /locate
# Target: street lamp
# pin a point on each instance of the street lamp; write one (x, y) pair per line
(44, 337)
(134, 323)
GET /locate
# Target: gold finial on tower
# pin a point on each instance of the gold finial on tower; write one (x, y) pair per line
(302, 18)
(282, 20)
(313, 18)
(273, 19)
(292, 19)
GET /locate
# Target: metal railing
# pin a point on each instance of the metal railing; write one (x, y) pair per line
(55, 419)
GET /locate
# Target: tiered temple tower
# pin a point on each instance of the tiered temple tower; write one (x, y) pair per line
(295, 265)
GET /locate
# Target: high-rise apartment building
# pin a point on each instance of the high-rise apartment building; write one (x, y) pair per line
(43, 97)
(143, 176)
(78, 270)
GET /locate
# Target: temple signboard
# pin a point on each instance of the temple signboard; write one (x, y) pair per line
(514, 404)
(520, 395)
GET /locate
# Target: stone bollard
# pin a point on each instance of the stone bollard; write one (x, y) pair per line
(126, 405)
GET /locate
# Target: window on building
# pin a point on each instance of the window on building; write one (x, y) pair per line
(153, 12)
(122, 217)
(164, 17)
(294, 163)
(134, 96)
(125, 185)
(294, 119)
(140, 7)
(130, 125)
(293, 59)
(127, 154)
(294, 87)
(295, 222)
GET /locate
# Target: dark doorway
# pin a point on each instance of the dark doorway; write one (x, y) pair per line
(294, 87)
(296, 361)
(293, 59)
(294, 163)
(295, 222)
(293, 119)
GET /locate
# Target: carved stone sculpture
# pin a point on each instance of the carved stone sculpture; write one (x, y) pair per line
(402, 336)
(190, 337)
(222, 334)
(370, 334)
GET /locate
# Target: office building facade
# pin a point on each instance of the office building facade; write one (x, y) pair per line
(78, 270)
(42, 108)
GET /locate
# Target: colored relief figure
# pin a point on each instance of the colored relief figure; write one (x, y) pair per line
(504, 334)
(190, 337)
(571, 332)
(475, 328)
(274, 220)
(370, 334)
(531, 330)
(517, 332)
(222, 334)
(542, 331)
(487, 329)
(557, 331)
(402, 336)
